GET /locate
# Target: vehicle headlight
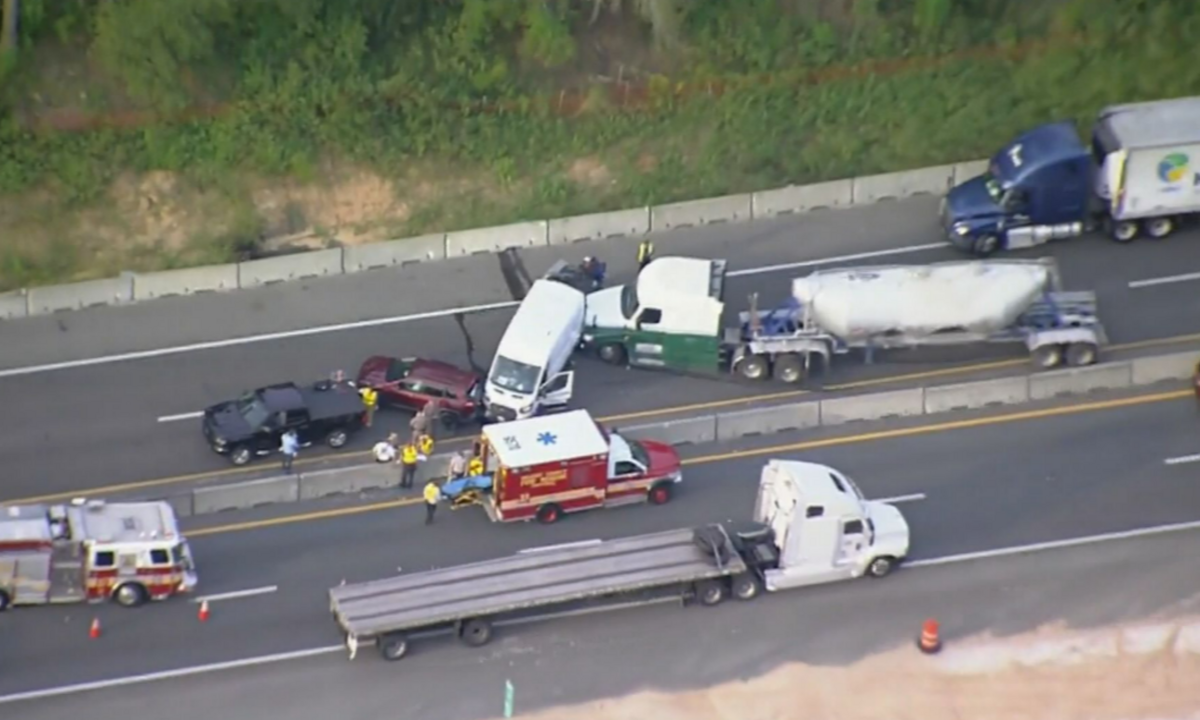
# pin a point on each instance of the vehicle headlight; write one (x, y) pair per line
(219, 441)
(677, 476)
(588, 337)
(961, 229)
(526, 410)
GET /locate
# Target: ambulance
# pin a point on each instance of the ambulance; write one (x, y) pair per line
(90, 551)
(546, 466)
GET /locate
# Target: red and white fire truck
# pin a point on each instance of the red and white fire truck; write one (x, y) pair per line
(548, 465)
(91, 550)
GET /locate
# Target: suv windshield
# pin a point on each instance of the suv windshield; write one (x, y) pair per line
(253, 411)
(629, 301)
(515, 376)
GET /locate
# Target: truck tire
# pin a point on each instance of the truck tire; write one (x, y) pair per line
(710, 592)
(881, 566)
(130, 594)
(336, 438)
(612, 353)
(240, 455)
(5, 601)
(393, 646)
(1159, 228)
(746, 586)
(754, 367)
(475, 632)
(789, 368)
(1123, 231)
(549, 514)
(985, 245)
(1047, 357)
(660, 494)
(1081, 353)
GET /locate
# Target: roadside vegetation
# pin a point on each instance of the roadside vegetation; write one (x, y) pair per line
(150, 134)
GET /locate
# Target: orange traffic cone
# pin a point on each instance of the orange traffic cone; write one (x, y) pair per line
(203, 614)
(929, 642)
(94, 630)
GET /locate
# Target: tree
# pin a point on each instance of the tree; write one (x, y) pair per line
(8, 42)
(663, 16)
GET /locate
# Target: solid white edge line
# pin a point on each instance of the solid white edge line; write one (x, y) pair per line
(902, 498)
(1182, 459)
(300, 654)
(561, 546)
(432, 314)
(181, 416)
(1150, 282)
(843, 258)
(231, 342)
(236, 594)
(169, 674)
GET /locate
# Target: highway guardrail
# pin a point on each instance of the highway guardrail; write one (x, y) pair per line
(723, 427)
(138, 287)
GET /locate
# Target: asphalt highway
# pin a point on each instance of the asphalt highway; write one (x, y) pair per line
(964, 490)
(98, 425)
(663, 647)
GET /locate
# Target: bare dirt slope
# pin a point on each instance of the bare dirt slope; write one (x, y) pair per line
(1142, 671)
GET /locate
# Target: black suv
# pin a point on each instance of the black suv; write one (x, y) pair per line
(254, 424)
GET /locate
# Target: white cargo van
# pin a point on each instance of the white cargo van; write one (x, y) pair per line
(529, 370)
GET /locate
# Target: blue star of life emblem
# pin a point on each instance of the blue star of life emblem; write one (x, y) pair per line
(547, 438)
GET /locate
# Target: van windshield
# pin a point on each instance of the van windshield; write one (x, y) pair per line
(629, 301)
(515, 376)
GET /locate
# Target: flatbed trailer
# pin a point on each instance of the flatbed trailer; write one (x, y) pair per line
(703, 564)
(1061, 327)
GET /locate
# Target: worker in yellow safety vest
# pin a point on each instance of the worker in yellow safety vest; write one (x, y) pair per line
(370, 400)
(475, 467)
(425, 445)
(408, 463)
(645, 253)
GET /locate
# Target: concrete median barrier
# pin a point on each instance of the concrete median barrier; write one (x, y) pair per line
(974, 395)
(1077, 381)
(77, 296)
(298, 266)
(186, 281)
(599, 226)
(183, 504)
(802, 198)
(349, 480)
(14, 305)
(768, 420)
(906, 183)
(969, 169)
(391, 253)
(686, 431)
(693, 213)
(1177, 366)
(245, 495)
(495, 239)
(877, 406)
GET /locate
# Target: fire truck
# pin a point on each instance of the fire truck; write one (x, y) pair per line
(545, 466)
(91, 551)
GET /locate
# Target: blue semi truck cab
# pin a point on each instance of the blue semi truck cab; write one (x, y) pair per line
(1038, 188)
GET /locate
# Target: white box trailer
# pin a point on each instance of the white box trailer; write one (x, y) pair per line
(811, 525)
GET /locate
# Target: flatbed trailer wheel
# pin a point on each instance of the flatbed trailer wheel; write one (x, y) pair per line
(393, 646)
(475, 632)
(710, 592)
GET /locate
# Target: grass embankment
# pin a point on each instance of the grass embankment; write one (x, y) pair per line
(323, 162)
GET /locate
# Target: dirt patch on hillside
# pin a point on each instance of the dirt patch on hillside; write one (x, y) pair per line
(1130, 672)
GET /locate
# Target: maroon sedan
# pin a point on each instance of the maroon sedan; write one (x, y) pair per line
(410, 383)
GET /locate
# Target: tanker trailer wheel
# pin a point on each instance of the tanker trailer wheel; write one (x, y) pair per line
(1047, 357)
(1081, 353)
(789, 368)
(754, 367)
(1159, 228)
(1123, 231)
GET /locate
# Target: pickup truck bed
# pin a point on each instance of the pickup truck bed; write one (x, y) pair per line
(541, 578)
